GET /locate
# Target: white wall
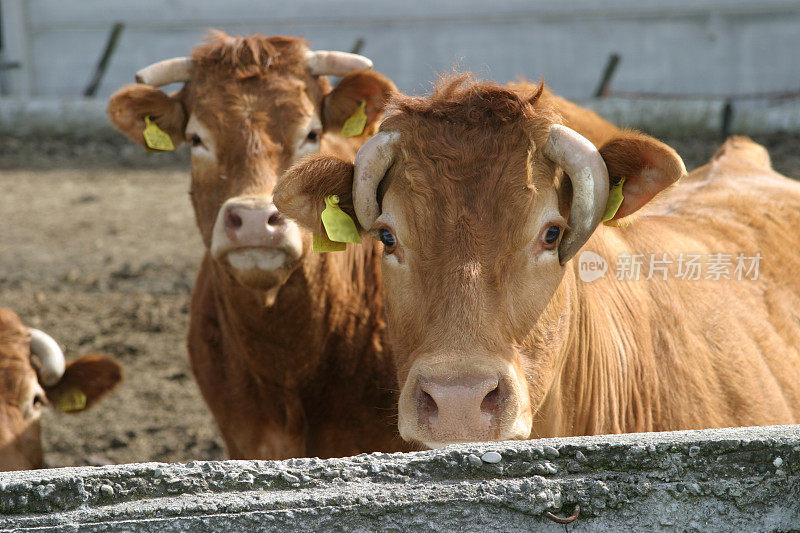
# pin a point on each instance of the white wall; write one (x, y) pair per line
(680, 46)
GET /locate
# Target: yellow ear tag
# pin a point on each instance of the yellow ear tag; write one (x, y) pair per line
(72, 400)
(339, 227)
(354, 125)
(155, 137)
(614, 201)
(321, 244)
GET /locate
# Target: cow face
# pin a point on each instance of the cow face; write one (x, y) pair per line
(480, 199)
(23, 396)
(249, 108)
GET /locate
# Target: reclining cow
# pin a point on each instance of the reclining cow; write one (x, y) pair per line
(482, 196)
(287, 346)
(33, 374)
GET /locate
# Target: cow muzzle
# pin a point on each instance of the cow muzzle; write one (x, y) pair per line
(251, 236)
(442, 403)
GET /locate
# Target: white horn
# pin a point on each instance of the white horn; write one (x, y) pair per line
(589, 176)
(165, 72)
(47, 356)
(327, 63)
(372, 161)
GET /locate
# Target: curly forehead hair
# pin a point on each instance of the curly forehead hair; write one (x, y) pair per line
(254, 56)
(463, 99)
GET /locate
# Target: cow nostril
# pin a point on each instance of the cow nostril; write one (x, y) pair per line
(275, 219)
(426, 405)
(234, 221)
(492, 402)
(430, 404)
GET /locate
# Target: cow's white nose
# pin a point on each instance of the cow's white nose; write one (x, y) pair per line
(454, 397)
(462, 409)
(249, 224)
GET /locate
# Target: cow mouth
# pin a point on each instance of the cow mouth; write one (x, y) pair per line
(265, 259)
(259, 268)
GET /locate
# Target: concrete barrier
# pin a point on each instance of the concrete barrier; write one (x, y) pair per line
(677, 47)
(76, 117)
(745, 479)
(686, 116)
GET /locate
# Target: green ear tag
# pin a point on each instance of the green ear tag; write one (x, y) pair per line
(155, 137)
(614, 201)
(338, 224)
(72, 400)
(354, 125)
(321, 244)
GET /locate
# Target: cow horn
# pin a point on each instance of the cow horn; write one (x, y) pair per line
(173, 70)
(327, 63)
(589, 176)
(47, 356)
(372, 161)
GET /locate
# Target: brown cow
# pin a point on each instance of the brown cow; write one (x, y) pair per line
(72, 387)
(482, 196)
(286, 345)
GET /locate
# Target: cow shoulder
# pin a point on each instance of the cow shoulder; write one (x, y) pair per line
(742, 151)
(585, 121)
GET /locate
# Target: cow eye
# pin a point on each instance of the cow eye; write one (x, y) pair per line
(551, 235)
(196, 140)
(39, 400)
(34, 404)
(313, 136)
(388, 239)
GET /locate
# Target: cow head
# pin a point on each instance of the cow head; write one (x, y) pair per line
(249, 107)
(481, 198)
(33, 374)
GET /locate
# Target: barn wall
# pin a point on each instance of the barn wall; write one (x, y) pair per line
(680, 46)
(744, 479)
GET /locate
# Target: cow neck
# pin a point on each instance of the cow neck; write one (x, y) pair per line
(601, 384)
(289, 340)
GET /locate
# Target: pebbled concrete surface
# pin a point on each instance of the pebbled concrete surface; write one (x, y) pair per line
(744, 479)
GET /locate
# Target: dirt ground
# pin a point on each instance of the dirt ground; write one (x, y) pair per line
(98, 247)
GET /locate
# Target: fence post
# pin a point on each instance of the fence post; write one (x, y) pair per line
(102, 65)
(16, 50)
(608, 73)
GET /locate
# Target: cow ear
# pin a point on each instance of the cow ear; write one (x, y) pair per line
(128, 108)
(647, 165)
(86, 380)
(301, 191)
(362, 86)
